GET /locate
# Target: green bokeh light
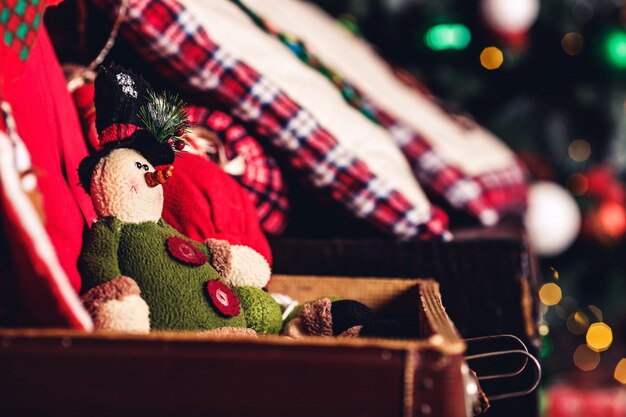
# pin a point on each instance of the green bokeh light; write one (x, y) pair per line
(546, 347)
(447, 36)
(615, 48)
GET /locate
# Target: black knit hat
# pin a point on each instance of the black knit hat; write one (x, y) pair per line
(130, 115)
(119, 93)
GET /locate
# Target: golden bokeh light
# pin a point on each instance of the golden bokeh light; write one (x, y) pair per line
(577, 184)
(491, 58)
(579, 150)
(544, 330)
(586, 359)
(555, 273)
(620, 371)
(550, 294)
(572, 43)
(599, 337)
(577, 323)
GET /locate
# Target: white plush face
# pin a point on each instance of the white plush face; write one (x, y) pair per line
(119, 188)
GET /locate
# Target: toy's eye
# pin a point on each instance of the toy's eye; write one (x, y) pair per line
(138, 165)
(145, 167)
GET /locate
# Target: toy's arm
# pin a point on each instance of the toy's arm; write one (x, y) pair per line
(113, 300)
(238, 265)
(98, 263)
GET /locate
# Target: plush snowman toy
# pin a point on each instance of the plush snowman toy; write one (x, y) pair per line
(139, 273)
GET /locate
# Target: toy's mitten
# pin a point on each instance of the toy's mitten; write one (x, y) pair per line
(344, 318)
(116, 305)
(239, 265)
(222, 259)
(324, 317)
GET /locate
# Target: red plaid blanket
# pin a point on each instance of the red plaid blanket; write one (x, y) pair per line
(171, 40)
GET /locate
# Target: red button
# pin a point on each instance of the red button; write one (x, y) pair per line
(185, 251)
(223, 299)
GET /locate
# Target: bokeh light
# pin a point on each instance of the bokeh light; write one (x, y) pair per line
(577, 323)
(544, 329)
(491, 58)
(555, 273)
(546, 347)
(448, 36)
(553, 219)
(620, 371)
(579, 150)
(586, 359)
(572, 43)
(550, 294)
(612, 218)
(615, 48)
(577, 184)
(599, 337)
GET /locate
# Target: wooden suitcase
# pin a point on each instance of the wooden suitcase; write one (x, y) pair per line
(69, 373)
(487, 277)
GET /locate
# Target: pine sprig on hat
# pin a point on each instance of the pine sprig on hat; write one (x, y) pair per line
(165, 116)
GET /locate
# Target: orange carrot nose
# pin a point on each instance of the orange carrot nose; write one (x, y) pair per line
(160, 176)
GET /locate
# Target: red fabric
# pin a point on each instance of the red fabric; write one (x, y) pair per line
(116, 132)
(34, 292)
(15, 45)
(44, 291)
(84, 100)
(262, 178)
(585, 401)
(202, 202)
(46, 120)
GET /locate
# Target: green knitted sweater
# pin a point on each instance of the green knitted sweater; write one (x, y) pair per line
(175, 292)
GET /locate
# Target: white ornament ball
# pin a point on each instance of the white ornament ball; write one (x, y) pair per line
(553, 219)
(510, 16)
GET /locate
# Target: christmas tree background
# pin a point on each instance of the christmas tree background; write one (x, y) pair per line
(555, 92)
